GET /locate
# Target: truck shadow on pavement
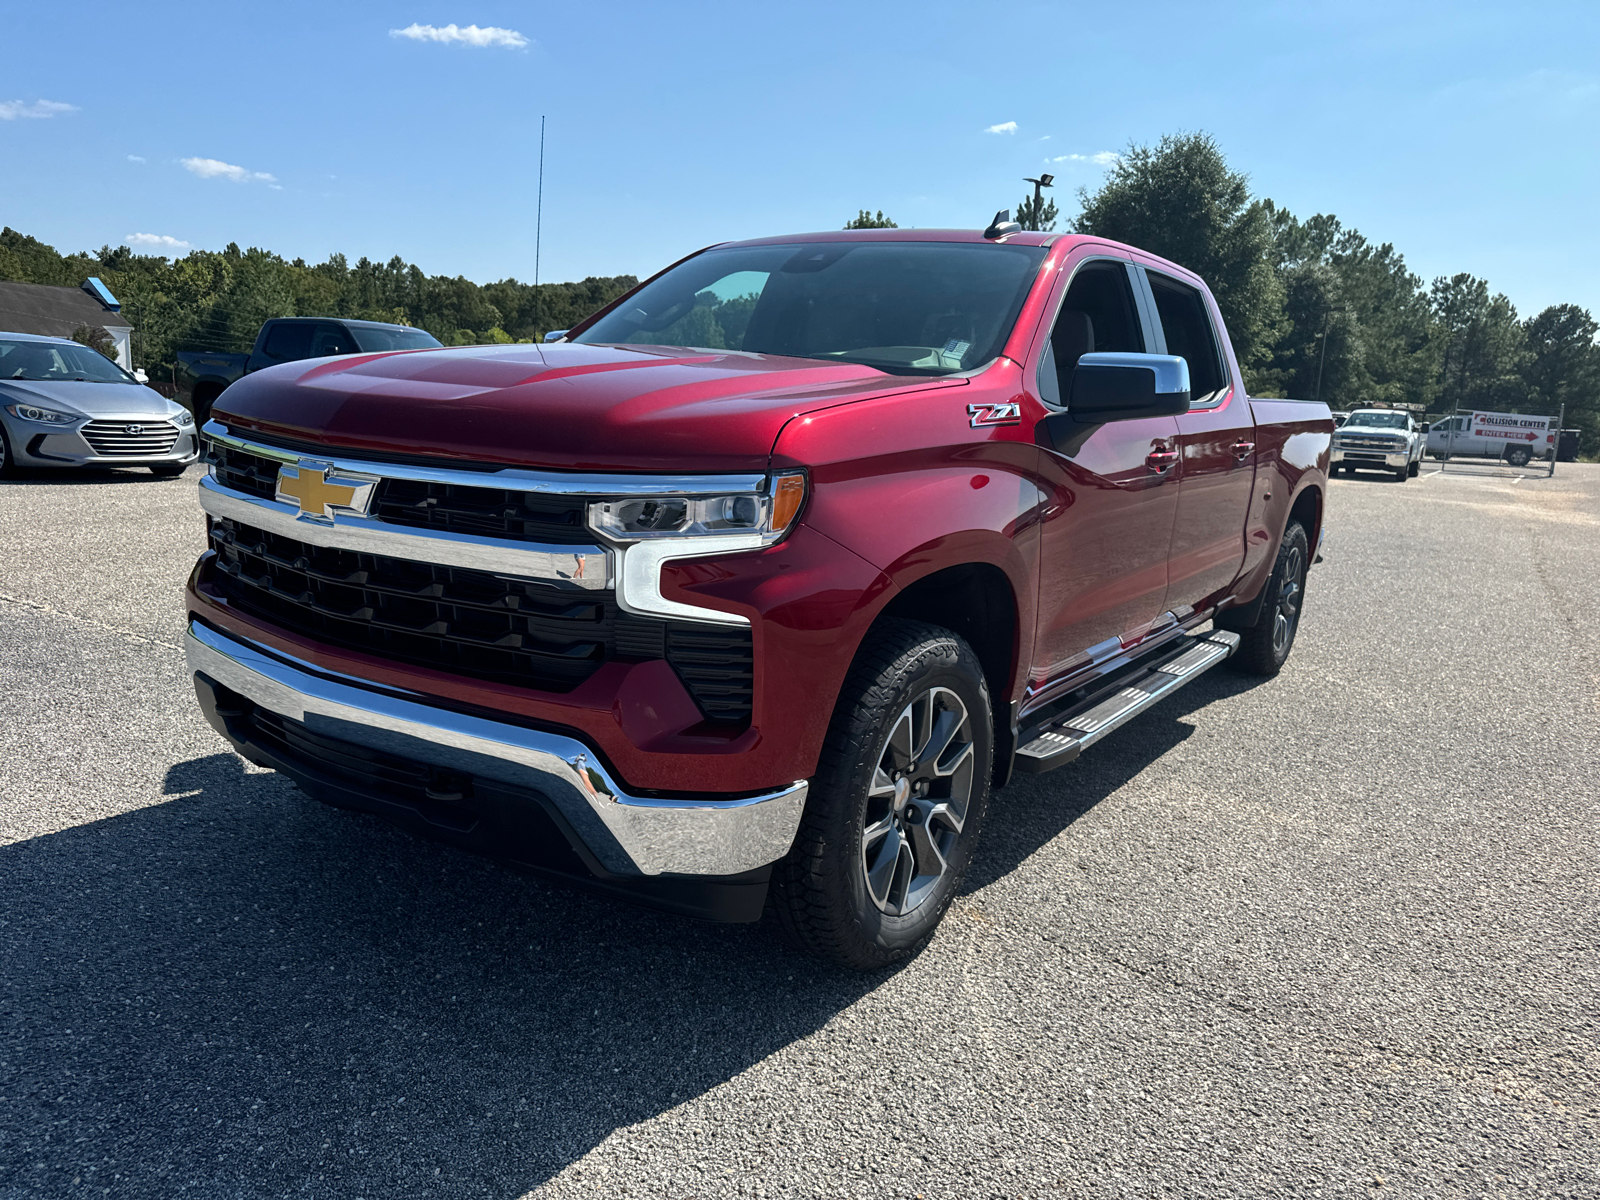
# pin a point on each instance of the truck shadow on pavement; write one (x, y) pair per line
(242, 992)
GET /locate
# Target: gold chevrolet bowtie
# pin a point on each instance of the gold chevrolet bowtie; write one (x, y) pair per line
(315, 494)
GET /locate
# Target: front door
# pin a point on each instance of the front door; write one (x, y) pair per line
(1110, 497)
(1216, 446)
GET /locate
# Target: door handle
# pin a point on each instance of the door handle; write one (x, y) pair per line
(1161, 460)
(1243, 449)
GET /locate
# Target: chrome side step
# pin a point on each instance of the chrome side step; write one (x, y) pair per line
(1063, 736)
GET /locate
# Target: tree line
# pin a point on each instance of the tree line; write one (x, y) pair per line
(1318, 311)
(217, 300)
(1315, 309)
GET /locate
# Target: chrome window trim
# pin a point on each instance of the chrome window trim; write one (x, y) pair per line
(552, 564)
(550, 483)
(628, 834)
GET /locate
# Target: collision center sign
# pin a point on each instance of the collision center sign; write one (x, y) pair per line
(1512, 427)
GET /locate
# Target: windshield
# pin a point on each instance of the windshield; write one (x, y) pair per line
(1378, 420)
(908, 308)
(52, 362)
(373, 340)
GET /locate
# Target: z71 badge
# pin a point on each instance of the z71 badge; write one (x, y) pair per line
(994, 414)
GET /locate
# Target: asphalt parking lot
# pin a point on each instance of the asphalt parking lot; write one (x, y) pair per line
(1333, 934)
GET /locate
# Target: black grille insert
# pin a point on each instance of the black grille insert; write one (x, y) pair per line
(242, 471)
(482, 511)
(470, 623)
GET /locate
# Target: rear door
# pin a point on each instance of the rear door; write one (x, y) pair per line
(1216, 449)
(1109, 494)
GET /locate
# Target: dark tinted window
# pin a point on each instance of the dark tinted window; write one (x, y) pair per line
(1187, 328)
(918, 308)
(289, 342)
(330, 340)
(1097, 315)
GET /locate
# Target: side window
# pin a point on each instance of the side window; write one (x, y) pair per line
(288, 342)
(1097, 315)
(1187, 327)
(331, 340)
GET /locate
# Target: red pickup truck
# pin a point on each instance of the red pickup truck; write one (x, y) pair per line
(746, 593)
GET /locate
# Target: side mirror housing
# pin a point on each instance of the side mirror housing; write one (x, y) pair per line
(1126, 387)
(1426, 427)
(555, 335)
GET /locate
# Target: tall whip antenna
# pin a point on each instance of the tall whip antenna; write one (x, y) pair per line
(538, 220)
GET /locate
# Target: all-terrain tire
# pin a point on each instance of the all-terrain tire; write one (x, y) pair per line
(822, 899)
(1264, 647)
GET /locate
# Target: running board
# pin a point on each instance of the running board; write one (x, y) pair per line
(1066, 735)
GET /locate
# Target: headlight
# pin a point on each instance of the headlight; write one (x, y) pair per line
(767, 513)
(183, 419)
(45, 416)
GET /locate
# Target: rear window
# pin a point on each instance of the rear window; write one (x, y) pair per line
(1187, 327)
(288, 342)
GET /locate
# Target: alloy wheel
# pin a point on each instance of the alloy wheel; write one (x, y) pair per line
(917, 803)
(1286, 613)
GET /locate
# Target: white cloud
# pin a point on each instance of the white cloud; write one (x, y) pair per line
(466, 35)
(156, 239)
(1105, 158)
(139, 158)
(10, 110)
(1003, 127)
(211, 168)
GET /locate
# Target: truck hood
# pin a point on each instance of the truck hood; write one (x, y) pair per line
(561, 406)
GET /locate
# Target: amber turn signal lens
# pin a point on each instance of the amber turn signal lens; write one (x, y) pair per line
(788, 493)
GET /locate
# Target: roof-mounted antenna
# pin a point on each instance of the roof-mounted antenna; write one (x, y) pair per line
(1002, 225)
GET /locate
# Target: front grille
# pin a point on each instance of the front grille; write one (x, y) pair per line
(1371, 443)
(450, 508)
(243, 472)
(116, 438)
(482, 511)
(470, 623)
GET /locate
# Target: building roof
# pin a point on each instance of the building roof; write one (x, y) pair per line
(53, 311)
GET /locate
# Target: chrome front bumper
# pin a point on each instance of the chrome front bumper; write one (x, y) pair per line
(628, 835)
(1371, 458)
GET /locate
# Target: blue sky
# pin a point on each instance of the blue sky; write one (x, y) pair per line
(1465, 133)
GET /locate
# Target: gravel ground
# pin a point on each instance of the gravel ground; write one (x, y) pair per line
(1333, 934)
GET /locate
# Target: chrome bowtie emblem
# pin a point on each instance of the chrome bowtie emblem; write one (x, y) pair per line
(319, 490)
(133, 429)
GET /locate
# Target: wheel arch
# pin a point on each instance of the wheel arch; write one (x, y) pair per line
(977, 601)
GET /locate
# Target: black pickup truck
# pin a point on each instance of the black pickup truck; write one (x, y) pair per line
(202, 375)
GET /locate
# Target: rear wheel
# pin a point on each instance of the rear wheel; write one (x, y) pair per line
(1518, 456)
(897, 802)
(1265, 646)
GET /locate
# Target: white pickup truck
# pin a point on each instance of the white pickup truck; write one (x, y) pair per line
(1516, 438)
(1380, 439)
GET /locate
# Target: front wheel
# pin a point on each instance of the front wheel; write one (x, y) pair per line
(1265, 646)
(7, 465)
(1416, 469)
(897, 802)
